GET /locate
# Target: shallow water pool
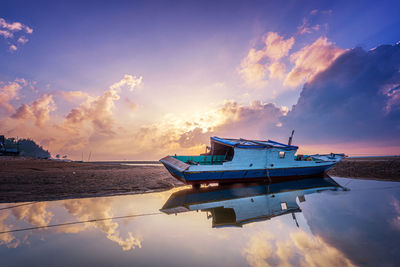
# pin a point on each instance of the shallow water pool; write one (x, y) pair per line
(321, 222)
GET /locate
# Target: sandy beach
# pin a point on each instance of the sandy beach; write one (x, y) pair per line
(28, 179)
(377, 168)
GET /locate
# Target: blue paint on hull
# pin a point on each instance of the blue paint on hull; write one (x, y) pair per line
(245, 175)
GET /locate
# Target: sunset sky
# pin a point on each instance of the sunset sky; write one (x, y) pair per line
(142, 79)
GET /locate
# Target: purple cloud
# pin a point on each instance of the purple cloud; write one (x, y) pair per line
(356, 99)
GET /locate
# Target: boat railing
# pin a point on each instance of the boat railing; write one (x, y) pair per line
(202, 160)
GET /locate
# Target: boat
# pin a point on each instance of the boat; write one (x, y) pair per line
(241, 160)
(245, 203)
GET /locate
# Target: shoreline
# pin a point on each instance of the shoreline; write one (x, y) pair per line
(27, 179)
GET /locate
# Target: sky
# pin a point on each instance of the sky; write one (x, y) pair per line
(139, 80)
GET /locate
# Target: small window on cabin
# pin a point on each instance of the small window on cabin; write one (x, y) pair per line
(283, 206)
(281, 154)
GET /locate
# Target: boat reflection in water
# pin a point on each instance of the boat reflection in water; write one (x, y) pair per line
(239, 204)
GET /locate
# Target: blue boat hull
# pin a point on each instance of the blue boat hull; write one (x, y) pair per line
(246, 175)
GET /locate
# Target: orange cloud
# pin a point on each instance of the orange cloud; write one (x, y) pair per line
(253, 67)
(9, 92)
(98, 111)
(277, 70)
(39, 110)
(276, 47)
(311, 60)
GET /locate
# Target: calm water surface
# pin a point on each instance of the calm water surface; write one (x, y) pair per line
(320, 222)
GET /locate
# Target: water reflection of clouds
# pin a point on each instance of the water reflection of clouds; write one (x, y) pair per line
(38, 215)
(395, 222)
(334, 229)
(88, 209)
(7, 239)
(35, 214)
(361, 224)
(296, 248)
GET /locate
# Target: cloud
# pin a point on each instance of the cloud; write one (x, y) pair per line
(39, 110)
(252, 71)
(355, 99)
(395, 222)
(130, 104)
(6, 34)
(98, 111)
(15, 26)
(87, 209)
(257, 63)
(298, 249)
(13, 48)
(311, 60)
(72, 96)
(305, 27)
(276, 47)
(7, 238)
(277, 70)
(35, 214)
(130, 81)
(233, 118)
(8, 31)
(22, 40)
(8, 92)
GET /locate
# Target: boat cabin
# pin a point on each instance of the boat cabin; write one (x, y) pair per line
(227, 149)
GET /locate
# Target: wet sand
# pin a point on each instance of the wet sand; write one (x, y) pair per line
(377, 168)
(27, 179)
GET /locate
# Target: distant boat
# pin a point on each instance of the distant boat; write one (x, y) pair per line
(241, 160)
(246, 203)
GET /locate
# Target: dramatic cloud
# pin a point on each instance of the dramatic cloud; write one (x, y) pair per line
(234, 118)
(261, 65)
(39, 110)
(255, 65)
(98, 111)
(311, 60)
(356, 98)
